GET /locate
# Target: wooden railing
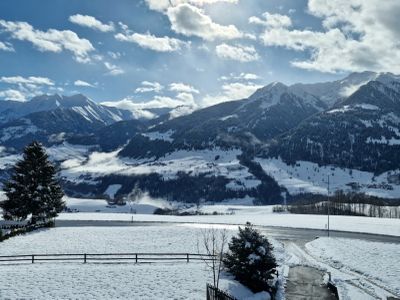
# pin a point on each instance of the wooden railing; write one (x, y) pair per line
(102, 257)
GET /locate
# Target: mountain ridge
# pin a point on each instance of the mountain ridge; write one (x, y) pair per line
(239, 148)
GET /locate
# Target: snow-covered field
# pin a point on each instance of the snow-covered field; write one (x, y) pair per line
(112, 280)
(103, 281)
(307, 177)
(102, 239)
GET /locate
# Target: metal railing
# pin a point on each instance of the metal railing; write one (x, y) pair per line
(214, 293)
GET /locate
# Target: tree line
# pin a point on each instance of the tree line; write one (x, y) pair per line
(341, 203)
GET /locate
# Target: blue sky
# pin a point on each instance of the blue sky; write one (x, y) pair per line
(195, 52)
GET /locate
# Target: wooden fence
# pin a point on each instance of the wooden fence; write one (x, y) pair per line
(214, 293)
(105, 257)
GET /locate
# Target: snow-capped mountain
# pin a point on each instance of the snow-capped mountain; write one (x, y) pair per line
(11, 110)
(332, 92)
(360, 132)
(243, 123)
(51, 118)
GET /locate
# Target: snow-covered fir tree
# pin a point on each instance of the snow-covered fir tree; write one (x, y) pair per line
(33, 189)
(250, 259)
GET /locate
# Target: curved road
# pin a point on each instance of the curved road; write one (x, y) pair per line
(279, 233)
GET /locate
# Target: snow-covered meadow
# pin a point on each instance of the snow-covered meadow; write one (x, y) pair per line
(103, 281)
(73, 280)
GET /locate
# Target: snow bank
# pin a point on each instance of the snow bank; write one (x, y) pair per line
(377, 262)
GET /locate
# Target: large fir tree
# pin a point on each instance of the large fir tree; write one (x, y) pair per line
(33, 189)
(250, 259)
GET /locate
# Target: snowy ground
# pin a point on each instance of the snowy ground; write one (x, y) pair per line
(112, 280)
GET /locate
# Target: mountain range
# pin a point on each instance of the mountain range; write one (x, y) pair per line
(281, 141)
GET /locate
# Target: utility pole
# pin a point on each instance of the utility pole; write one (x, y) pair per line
(329, 203)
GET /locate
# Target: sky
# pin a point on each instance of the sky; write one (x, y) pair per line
(196, 53)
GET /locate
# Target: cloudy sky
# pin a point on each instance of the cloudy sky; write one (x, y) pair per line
(192, 52)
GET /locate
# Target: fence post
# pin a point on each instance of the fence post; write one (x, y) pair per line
(33, 258)
(84, 258)
(187, 257)
(136, 258)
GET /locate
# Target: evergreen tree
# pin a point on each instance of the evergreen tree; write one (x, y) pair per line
(250, 259)
(33, 189)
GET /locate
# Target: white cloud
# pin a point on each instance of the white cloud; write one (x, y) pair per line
(141, 109)
(149, 41)
(27, 87)
(156, 102)
(239, 52)
(11, 94)
(182, 111)
(192, 21)
(272, 20)
(148, 86)
(186, 97)
(91, 22)
(127, 104)
(183, 88)
(241, 76)
(356, 36)
(52, 40)
(113, 69)
(162, 5)
(230, 92)
(83, 83)
(27, 80)
(163, 101)
(5, 46)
